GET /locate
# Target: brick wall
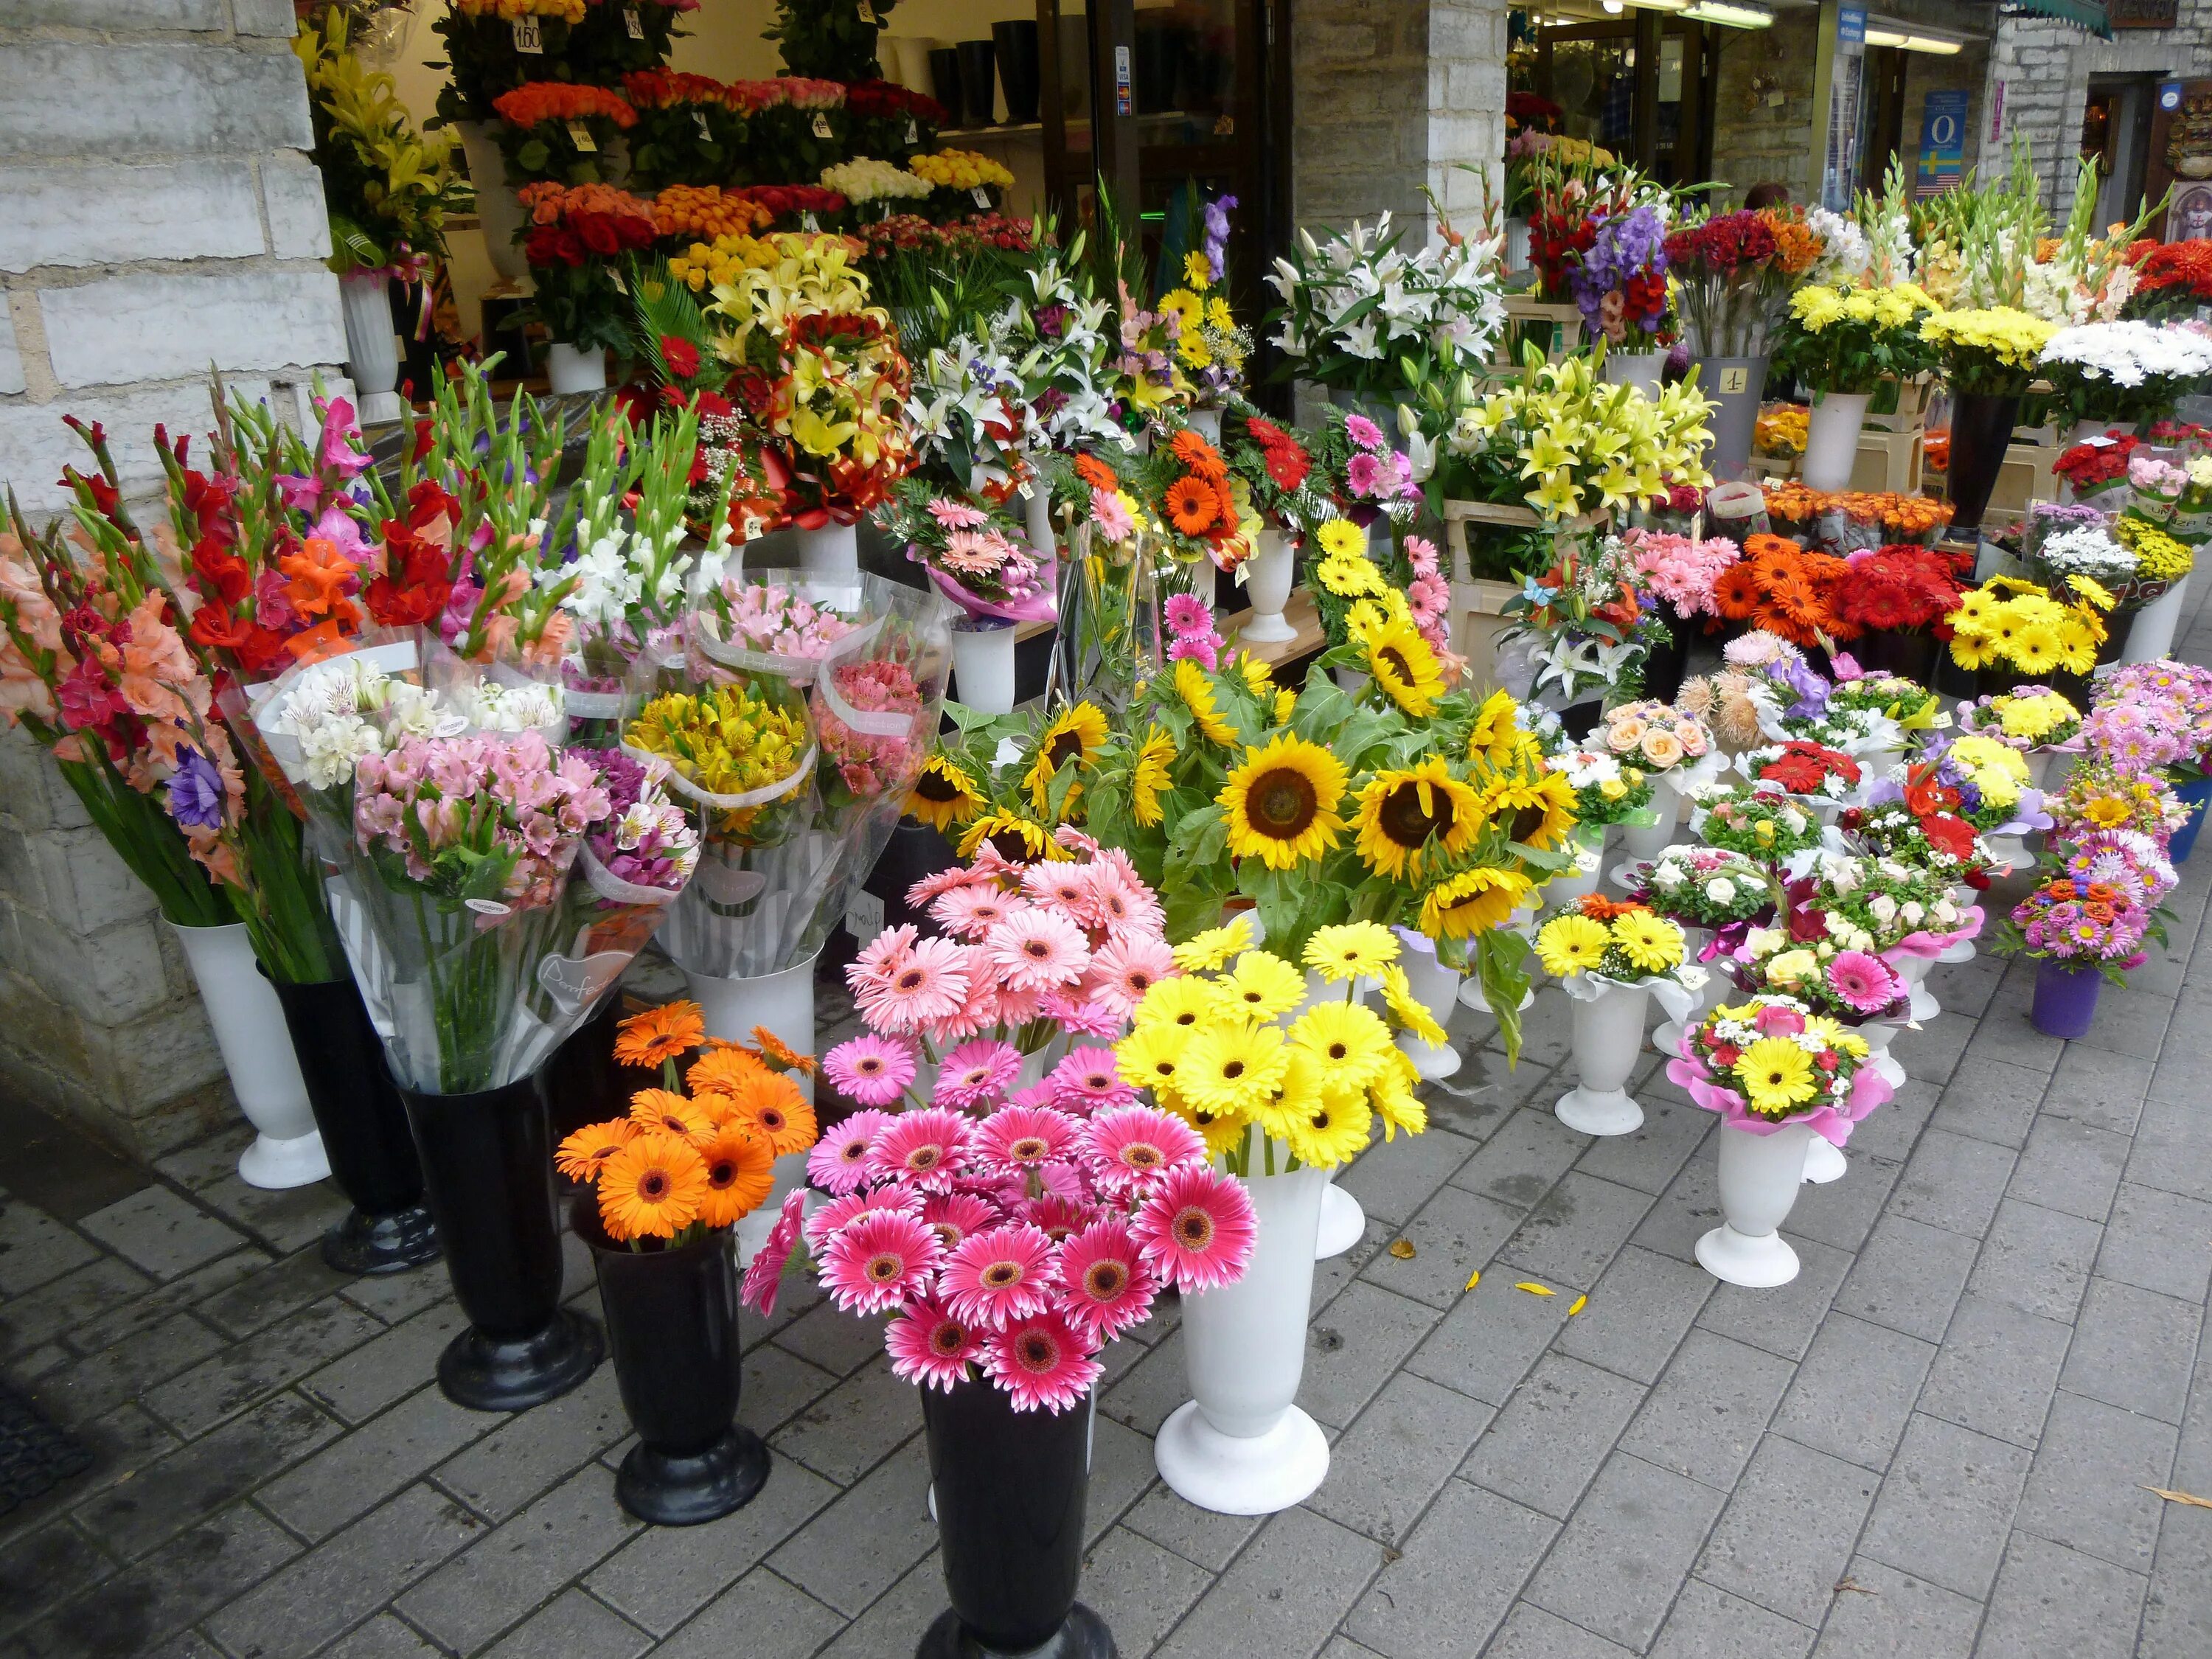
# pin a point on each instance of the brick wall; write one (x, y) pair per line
(158, 214)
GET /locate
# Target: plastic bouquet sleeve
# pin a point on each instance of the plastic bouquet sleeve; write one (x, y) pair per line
(1869, 1089)
(1040, 606)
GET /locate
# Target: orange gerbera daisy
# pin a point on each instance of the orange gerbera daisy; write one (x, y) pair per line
(1735, 593)
(652, 1188)
(773, 1048)
(723, 1069)
(1096, 473)
(773, 1106)
(740, 1175)
(1766, 544)
(667, 1032)
(584, 1153)
(666, 1112)
(1192, 449)
(1191, 505)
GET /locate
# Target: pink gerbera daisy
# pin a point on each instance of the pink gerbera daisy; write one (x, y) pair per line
(928, 1345)
(843, 1211)
(1001, 1273)
(839, 1162)
(1125, 968)
(1363, 432)
(1080, 1016)
(1038, 950)
(765, 1272)
(972, 911)
(1864, 981)
(880, 959)
(1025, 1136)
(1058, 1214)
(1188, 614)
(1122, 906)
(976, 1071)
(880, 1261)
(871, 1069)
(1041, 1362)
(933, 887)
(957, 1215)
(956, 515)
(1134, 1146)
(929, 982)
(1076, 842)
(1109, 1288)
(1087, 1081)
(1010, 1007)
(1065, 885)
(1195, 1228)
(922, 1150)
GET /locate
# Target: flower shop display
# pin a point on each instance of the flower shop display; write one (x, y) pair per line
(2035, 721)
(1988, 356)
(2124, 374)
(975, 559)
(2011, 631)
(1888, 606)
(1777, 1074)
(1211, 344)
(1733, 273)
(688, 135)
(1613, 959)
(1841, 344)
(2080, 934)
(561, 130)
(1763, 825)
(1577, 630)
(664, 1187)
(1715, 897)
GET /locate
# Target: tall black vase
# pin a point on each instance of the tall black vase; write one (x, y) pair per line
(1981, 427)
(1010, 1488)
(364, 1128)
(1016, 44)
(1908, 651)
(945, 81)
(978, 83)
(581, 1079)
(488, 1170)
(1663, 667)
(671, 1319)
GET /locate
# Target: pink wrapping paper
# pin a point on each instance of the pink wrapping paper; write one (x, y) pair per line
(1832, 1124)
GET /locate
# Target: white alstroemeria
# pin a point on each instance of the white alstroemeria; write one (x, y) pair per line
(331, 749)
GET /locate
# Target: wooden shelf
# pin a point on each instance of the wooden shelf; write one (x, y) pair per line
(1301, 614)
(1035, 626)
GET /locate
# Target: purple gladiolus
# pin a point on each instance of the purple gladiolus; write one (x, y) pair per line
(196, 792)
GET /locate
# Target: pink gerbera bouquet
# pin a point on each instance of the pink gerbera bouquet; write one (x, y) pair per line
(1679, 569)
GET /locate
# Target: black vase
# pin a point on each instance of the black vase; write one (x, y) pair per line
(915, 852)
(1579, 719)
(945, 81)
(1010, 1488)
(1981, 427)
(978, 83)
(672, 1318)
(1016, 44)
(581, 1085)
(364, 1131)
(1909, 652)
(1663, 667)
(488, 1170)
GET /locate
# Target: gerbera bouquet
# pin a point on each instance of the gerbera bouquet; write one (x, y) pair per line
(2084, 923)
(1921, 826)
(1770, 1062)
(1799, 767)
(1733, 273)
(1851, 339)
(1782, 589)
(1580, 627)
(1760, 824)
(2011, 624)
(795, 125)
(688, 133)
(2172, 279)
(1680, 570)
(1899, 588)
(1352, 460)
(1595, 939)
(1206, 514)
(683, 1166)
(1838, 974)
(2099, 797)
(1278, 470)
(2026, 718)
(1212, 346)
(975, 556)
(1660, 739)
(1609, 788)
(886, 118)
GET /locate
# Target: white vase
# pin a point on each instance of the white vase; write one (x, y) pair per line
(1343, 1223)
(1759, 1176)
(372, 344)
(1878, 1034)
(1516, 246)
(1643, 842)
(1573, 886)
(1831, 440)
(983, 663)
(1268, 577)
(574, 369)
(1036, 511)
(829, 549)
(1472, 995)
(1352, 680)
(1436, 987)
(782, 1002)
(2152, 636)
(1667, 1039)
(1240, 1445)
(1206, 422)
(499, 210)
(256, 1046)
(753, 1230)
(1643, 370)
(1914, 972)
(1608, 1037)
(1824, 1162)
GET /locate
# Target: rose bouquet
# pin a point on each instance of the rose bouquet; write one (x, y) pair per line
(559, 131)
(876, 187)
(1762, 825)
(2096, 466)
(494, 45)
(1662, 740)
(1770, 1062)
(1705, 887)
(1609, 788)
(886, 118)
(795, 125)
(962, 179)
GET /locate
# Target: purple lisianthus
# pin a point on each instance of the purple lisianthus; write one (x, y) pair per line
(196, 792)
(1809, 687)
(1217, 234)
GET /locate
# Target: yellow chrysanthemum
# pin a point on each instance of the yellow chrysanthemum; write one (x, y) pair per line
(1572, 944)
(1776, 1076)
(1281, 805)
(1209, 952)
(944, 796)
(1404, 664)
(1472, 901)
(1348, 1038)
(1196, 691)
(1351, 949)
(1652, 944)
(1262, 984)
(1409, 1010)
(1401, 812)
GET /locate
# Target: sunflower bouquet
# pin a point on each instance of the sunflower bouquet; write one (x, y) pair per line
(1272, 1075)
(1762, 825)
(1770, 1062)
(2009, 624)
(679, 1166)
(1011, 780)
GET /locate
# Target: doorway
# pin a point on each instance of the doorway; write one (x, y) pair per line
(1642, 86)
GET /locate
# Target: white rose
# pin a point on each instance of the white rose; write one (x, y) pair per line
(1914, 911)
(1946, 911)
(1837, 924)
(1666, 877)
(1720, 889)
(1884, 909)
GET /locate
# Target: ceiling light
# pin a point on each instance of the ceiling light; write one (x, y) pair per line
(1734, 14)
(1613, 8)
(1931, 43)
(1889, 32)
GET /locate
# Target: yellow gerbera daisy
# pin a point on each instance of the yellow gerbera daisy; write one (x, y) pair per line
(1151, 1057)
(944, 795)
(1196, 691)
(1400, 812)
(1472, 901)
(1335, 1132)
(1297, 1094)
(1776, 1076)
(1409, 1010)
(1231, 1067)
(1349, 948)
(1262, 984)
(1209, 952)
(1404, 665)
(1348, 1038)
(1075, 736)
(1184, 1000)
(1572, 944)
(1149, 775)
(1651, 943)
(1281, 803)
(1395, 1103)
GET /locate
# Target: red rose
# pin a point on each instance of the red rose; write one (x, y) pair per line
(1726, 1053)
(599, 232)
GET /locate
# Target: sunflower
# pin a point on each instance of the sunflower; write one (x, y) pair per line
(1400, 812)
(1287, 704)
(1409, 1010)
(1349, 948)
(1281, 805)
(1472, 901)
(944, 795)
(1778, 1075)
(740, 1175)
(1076, 736)
(1404, 664)
(1570, 944)
(652, 1188)
(1196, 691)
(1148, 776)
(584, 1153)
(1537, 811)
(663, 1111)
(1191, 506)
(1651, 943)
(667, 1032)
(1015, 836)
(1335, 1132)
(1348, 1039)
(1262, 984)
(1231, 1067)
(1496, 729)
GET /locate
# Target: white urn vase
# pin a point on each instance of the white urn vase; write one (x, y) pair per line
(1759, 1176)
(1571, 886)
(1267, 576)
(571, 368)
(1832, 439)
(2152, 636)
(1608, 1036)
(1641, 842)
(372, 344)
(256, 1047)
(1436, 987)
(983, 663)
(829, 549)
(1913, 970)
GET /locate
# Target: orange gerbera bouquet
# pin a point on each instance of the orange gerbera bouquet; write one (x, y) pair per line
(1781, 588)
(1207, 514)
(683, 1165)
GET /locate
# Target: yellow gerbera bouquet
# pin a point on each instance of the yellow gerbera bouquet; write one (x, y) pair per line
(1597, 938)
(2009, 623)
(1771, 1061)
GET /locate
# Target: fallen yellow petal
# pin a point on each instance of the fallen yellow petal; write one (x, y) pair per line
(1402, 1249)
(1475, 1279)
(2172, 1496)
(1534, 1290)
(1581, 1301)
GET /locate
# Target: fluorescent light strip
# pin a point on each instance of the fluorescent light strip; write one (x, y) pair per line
(1939, 46)
(1731, 13)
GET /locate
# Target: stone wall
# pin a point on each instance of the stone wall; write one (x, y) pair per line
(158, 215)
(1763, 114)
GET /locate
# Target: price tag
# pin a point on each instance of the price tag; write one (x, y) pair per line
(580, 136)
(527, 37)
(809, 223)
(821, 124)
(699, 120)
(982, 197)
(913, 132)
(864, 915)
(1735, 379)
(633, 23)
(867, 14)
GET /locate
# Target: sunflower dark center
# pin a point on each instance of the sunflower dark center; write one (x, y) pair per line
(935, 786)
(1403, 819)
(1394, 659)
(1011, 844)
(1065, 747)
(1283, 802)
(1527, 822)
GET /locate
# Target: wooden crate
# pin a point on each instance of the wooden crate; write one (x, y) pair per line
(1566, 338)
(1301, 613)
(1477, 603)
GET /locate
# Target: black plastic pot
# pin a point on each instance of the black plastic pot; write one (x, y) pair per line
(1664, 667)
(672, 1318)
(1016, 44)
(364, 1129)
(581, 1082)
(1010, 1488)
(1981, 427)
(488, 1172)
(1579, 719)
(1909, 652)
(978, 83)
(915, 852)
(945, 81)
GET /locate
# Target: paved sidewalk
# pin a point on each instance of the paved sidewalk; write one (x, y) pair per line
(1938, 1441)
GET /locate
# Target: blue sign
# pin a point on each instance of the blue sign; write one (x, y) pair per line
(1850, 26)
(1943, 142)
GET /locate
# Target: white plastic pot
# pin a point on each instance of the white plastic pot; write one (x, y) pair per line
(256, 1046)
(1642, 369)
(2152, 636)
(1914, 972)
(829, 549)
(1608, 1037)
(782, 1001)
(1643, 842)
(1436, 987)
(1824, 1162)
(1668, 1038)
(1878, 1034)
(983, 663)
(1206, 422)
(1268, 575)
(1240, 1445)
(499, 208)
(1832, 439)
(1759, 1176)
(572, 368)
(372, 344)
(1573, 886)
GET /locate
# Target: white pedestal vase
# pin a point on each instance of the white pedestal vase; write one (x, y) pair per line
(1641, 842)
(1436, 987)
(1878, 1034)
(829, 549)
(499, 210)
(1759, 1176)
(1571, 886)
(1608, 1037)
(1037, 514)
(1641, 370)
(1240, 1445)
(574, 368)
(1471, 995)
(1267, 576)
(372, 344)
(1913, 970)
(256, 1046)
(1832, 439)
(1667, 1038)
(2152, 636)
(1824, 1162)
(782, 1001)
(983, 663)
(1343, 1223)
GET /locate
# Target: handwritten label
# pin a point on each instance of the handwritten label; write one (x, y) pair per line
(913, 132)
(821, 124)
(633, 23)
(868, 14)
(699, 120)
(527, 37)
(982, 197)
(580, 136)
(809, 223)
(1735, 379)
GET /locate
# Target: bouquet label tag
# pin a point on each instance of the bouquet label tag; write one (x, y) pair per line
(809, 223)
(821, 124)
(632, 24)
(2101, 441)
(580, 136)
(699, 120)
(982, 197)
(526, 37)
(867, 14)
(912, 131)
(489, 907)
(1735, 379)
(863, 916)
